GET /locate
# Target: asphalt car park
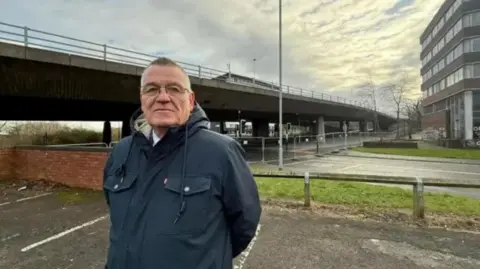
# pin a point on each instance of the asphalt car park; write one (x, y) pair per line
(65, 228)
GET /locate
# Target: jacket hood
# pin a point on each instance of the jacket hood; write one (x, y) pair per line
(198, 119)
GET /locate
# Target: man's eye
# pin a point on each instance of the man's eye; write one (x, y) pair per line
(173, 88)
(148, 89)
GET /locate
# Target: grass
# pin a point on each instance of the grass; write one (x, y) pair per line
(329, 192)
(426, 152)
(77, 195)
(365, 195)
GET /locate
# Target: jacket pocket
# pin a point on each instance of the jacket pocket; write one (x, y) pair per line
(119, 191)
(197, 198)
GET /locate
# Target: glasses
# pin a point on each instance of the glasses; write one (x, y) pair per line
(171, 89)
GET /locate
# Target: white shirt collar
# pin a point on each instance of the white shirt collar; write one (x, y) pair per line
(155, 138)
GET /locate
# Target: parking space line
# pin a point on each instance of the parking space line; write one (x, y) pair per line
(247, 251)
(71, 230)
(424, 169)
(318, 163)
(26, 198)
(348, 167)
(10, 237)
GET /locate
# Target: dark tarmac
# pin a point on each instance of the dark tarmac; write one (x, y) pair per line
(45, 232)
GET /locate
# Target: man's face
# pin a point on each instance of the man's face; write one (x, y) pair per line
(164, 96)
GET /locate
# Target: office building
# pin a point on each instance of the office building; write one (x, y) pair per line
(450, 70)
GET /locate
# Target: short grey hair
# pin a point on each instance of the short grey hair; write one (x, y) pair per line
(164, 61)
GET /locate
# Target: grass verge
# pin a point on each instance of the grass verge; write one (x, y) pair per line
(365, 195)
(355, 195)
(426, 152)
(77, 195)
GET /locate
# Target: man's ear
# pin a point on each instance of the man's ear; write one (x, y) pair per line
(192, 101)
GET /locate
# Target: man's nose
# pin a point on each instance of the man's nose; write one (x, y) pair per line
(162, 96)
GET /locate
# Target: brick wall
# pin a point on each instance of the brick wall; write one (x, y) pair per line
(75, 167)
(6, 158)
(435, 120)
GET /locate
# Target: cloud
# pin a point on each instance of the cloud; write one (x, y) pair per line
(330, 45)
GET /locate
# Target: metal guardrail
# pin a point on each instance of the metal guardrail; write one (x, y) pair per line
(28, 37)
(99, 144)
(417, 184)
(314, 144)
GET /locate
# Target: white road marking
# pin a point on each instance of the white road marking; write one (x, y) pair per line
(318, 163)
(26, 198)
(10, 237)
(303, 161)
(51, 238)
(421, 257)
(348, 168)
(246, 252)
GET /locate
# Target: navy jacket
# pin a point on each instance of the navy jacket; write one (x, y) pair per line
(189, 202)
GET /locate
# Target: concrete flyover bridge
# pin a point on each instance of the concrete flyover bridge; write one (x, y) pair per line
(101, 82)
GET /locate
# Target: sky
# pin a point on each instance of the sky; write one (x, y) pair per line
(330, 46)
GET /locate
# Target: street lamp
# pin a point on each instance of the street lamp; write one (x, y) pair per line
(229, 71)
(254, 60)
(280, 97)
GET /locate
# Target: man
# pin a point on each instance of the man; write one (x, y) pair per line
(180, 196)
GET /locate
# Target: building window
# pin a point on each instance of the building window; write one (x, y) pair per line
(440, 105)
(468, 71)
(475, 44)
(468, 20)
(475, 113)
(442, 84)
(475, 18)
(428, 109)
(476, 100)
(476, 70)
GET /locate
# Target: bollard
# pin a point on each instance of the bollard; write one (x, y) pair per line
(306, 190)
(263, 149)
(418, 201)
(295, 148)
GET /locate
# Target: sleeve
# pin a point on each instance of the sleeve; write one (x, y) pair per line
(240, 198)
(106, 170)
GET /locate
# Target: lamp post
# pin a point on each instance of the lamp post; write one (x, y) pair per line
(229, 71)
(254, 60)
(280, 97)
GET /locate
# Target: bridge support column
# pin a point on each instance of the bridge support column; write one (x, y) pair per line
(260, 128)
(107, 132)
(126, 128)
(276, 128)
(363, 126)
(222, 127)
(320, 126)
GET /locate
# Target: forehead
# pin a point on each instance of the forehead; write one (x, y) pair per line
(163, 74)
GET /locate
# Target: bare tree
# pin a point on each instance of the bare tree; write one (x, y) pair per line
(371, 93)
(396, 92)
(3, 125)
(413, 112)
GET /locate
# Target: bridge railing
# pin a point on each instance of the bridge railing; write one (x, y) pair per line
(22, 35)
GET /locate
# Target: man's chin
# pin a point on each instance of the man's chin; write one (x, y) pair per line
(163, 124)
